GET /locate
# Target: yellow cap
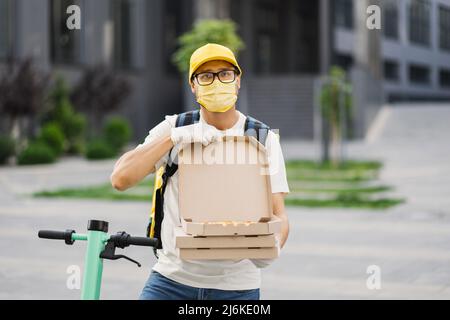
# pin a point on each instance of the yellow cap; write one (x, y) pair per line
(209, 52)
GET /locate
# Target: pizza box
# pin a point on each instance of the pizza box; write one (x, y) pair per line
(184, 240)
(232, 228)
(228, 253)
(228, 181)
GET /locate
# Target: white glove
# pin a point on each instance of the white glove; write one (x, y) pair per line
(198, 132)
(263, 263)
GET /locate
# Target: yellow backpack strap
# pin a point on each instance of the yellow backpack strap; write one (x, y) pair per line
(157, 185)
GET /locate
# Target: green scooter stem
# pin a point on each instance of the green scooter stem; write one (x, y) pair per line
(93, 268)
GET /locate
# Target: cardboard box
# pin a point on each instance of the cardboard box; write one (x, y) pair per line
(232, 229)
(228, 254)
(226, 181)
(186, 241)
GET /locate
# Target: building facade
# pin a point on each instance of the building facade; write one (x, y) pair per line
(289, 44)
(415, 47)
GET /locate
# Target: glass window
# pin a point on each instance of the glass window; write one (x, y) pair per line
(121, 15)
(444, 78)
(444, 27)
(343, 13)
(127, 20)
(419, 74)
(267, 37)
(419, 22)
(305, 44)
(284, 43)
(344, 61)
(390, 25)
(5, 28)
(65, 44)
(172, 22)
(391, 70)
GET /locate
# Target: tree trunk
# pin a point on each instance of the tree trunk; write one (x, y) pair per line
(14, 131)
(17, 131)
(335, 145)
(325, 140)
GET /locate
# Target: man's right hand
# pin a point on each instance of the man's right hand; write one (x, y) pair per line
(198, 132)
(136, 164)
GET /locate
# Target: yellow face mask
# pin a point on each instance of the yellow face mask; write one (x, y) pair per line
(218, 96)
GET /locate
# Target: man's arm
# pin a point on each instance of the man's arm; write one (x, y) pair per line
(280, 212)
(136, 164)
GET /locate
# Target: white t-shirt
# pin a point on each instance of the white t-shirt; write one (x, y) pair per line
(215, 274)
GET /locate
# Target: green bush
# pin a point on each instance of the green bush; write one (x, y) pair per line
(77, 147)
(72, 124)
(7, 148)
(99, 149)
(52, 135)
(36, 153)
(117, 132)
(74, 128)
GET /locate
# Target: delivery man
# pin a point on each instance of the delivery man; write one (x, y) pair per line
(215, 79)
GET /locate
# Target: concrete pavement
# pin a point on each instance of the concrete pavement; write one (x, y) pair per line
(328, 252)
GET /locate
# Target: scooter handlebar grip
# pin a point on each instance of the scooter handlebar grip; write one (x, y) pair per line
(50, 234)
(57, 235)
(142, 241)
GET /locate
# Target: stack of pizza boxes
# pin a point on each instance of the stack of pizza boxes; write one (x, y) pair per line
(225, 201)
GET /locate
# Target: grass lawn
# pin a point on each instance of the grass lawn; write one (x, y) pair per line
(351, 185)
(350, 171)
(141, 192)
(344, 202)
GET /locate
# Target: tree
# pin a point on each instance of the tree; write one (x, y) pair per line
(206, 31)
(98, 93)
(336, 105)
(22, 97)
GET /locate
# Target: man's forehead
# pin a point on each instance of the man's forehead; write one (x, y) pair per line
(214, 65)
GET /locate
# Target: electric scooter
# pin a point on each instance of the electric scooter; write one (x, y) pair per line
(100, 246)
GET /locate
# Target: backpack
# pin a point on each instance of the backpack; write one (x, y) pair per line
(252, 127)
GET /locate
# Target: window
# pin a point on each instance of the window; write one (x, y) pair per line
(5, 28)
(390, 26)
(444, 27)
(65, 44)
(444, 78)
(267, 43)
(172, 28)
(128, 28)
(391, 70)
(121, 16)
(344, 61)
(343, 13)
(419, 22)
(419, 74)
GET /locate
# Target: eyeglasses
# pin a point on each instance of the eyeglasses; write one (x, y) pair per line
(224, 76)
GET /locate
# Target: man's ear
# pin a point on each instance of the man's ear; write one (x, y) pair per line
(192, 87)
(238, 82)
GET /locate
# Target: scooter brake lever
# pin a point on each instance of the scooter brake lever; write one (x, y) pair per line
(109, 253)
(118, 256)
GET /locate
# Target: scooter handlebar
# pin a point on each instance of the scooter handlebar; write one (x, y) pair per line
(57, 235)
(142, 241)
(121, 239)
(50, 234)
